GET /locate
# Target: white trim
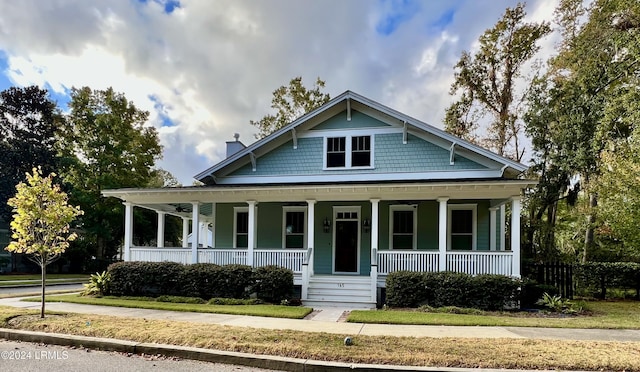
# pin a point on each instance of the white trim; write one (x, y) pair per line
(515, 234)
(474, 223)
(452, 155)
(348, 109)
(319, 133)
(405, 135)
(404, 207)
(441, 175)
(286, 209)
(503, 227)
(370, 107)
(348, 152)
(237, 210)
(294, 136)
(336, 210)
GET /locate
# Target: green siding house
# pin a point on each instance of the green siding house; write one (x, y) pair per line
(343, 196)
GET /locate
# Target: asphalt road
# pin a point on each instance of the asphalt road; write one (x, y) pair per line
(25, 356)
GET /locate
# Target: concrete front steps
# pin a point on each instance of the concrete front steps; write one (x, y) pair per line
(352, 292)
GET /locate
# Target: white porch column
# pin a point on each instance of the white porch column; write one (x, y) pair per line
(492, 228)
(214, 229)
(252, 231)
(160, 238)
(503, 228)
(311, 233)
(128, 230)
(515, 234)
(185, 232)
(442, 233)
(375, 232)
(195, 231)
(307, 264)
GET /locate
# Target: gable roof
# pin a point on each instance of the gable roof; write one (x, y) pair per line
(334, 106)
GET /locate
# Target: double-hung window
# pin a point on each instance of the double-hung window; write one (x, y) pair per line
(348, 152)
(295, 222)
(462, 227)
(403, 226)
(241, 227)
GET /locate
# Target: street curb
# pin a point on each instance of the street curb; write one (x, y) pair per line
(216, 356)
(40, 285)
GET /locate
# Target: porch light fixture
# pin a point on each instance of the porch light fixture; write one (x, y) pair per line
(366, 225)
(326, 225)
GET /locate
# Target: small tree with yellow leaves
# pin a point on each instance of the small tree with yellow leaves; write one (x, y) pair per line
(40, 226)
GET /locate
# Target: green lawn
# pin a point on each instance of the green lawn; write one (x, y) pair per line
(25, 277)
(273, 311)
(601, 314)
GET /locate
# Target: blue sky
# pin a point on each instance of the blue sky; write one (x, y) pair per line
(204, 69)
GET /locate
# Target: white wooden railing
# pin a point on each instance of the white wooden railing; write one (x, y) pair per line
(481, 262)
(290, 258)
(223, 256)
(153, 254)
(390, 261)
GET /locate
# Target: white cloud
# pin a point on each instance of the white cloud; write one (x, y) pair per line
(210, 67)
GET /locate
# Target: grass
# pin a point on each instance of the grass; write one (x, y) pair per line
(37, 293)
(443, 352)
(23, 277)
(602, 314)
(274, 311)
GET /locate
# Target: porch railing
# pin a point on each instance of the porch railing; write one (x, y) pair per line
(481, 262)
(470, 262)
(153, 254)
(289, 258)
(223, 256)
(390, 261)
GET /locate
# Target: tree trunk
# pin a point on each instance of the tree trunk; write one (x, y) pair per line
(43, 265)
(591, 219)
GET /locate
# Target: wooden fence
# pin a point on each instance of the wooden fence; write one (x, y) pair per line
(559, 275)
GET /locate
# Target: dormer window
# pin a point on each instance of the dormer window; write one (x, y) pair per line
(348, 152)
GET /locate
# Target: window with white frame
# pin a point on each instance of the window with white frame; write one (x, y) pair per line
(241, 227)
(295, 222)
(462, 227)
(403, 226)
(348, 152)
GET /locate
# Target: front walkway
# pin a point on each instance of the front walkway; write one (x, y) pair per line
(329, 324)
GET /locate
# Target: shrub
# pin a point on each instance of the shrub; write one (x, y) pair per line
(273, 283)
(234, 301)
(203, 280)
(407, 289)
(99, 285)
(146, 278)
(532, 291)
(600, 276)
(445, 289)
(236, 281)
(180, 299)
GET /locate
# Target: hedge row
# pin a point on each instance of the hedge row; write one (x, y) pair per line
(270, 283)
(437, 289)
(598, 276)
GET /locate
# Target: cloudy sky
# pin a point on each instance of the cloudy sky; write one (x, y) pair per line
(205, 68)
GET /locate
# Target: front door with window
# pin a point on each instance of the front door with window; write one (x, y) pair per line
(346, 242)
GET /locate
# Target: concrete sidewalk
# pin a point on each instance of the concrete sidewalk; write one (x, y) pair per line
(326, 320)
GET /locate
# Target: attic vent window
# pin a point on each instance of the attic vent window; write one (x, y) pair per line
(348, 152)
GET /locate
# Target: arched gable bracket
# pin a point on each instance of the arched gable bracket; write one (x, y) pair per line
(452, 153)
(295, 138)
(405, 135)
(253, 161)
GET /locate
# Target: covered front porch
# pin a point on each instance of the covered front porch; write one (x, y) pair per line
(340, 241)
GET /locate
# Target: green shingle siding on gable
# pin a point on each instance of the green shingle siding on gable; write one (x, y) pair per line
(417, 155)
(358, 120)
(285, 160)
(391, 156)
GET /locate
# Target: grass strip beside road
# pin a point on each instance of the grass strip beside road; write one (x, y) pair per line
(23, 277)
(274, 311)
(442, 352)
(602, 315)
